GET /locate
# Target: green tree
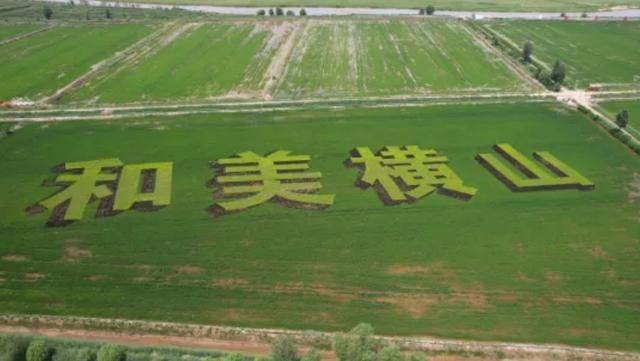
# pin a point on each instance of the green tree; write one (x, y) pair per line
(290, 13)
(234, 357)
(261, 12)
(12, 348)
(559, 72)
(622, 119)
(86, 354)
(416, 357)
(312, 355)
(303, 12)
(356, 345)
(422, 11)
(107, 13)
(390, 353)
(111, 352)
(527, 51)
(284, 348)
(430, 10)
(47, 12)
(271, 12)
(38, 351)
(279, 12)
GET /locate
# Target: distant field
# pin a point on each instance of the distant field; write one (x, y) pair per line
(37, 66)
(391, 57)
(504, 5)
(478, 269)
(209, 60)
(595, 52)
(633, 106)
(10, 31)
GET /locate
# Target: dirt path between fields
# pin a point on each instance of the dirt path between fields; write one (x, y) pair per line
(24, 36)
(276, 71)
(47, 114)
(257, 341)
(516, 68)
(584, 98)
(250, 348)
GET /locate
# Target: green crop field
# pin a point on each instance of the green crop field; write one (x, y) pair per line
(209, 60)
(502, 5)
(10, 31)
(554, 266)
(391, 57)
(37, 66)
(612, 108)
(595, 52)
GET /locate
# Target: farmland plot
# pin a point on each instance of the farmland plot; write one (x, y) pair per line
(10, 31)
(39, 65)
(478, 268)
(612, 108)
(206, 60)
(391, 57)
(595, 52)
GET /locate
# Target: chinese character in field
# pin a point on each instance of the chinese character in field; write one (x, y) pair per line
(407, 174)
(117, 187)
(559, 176)
(278, 176)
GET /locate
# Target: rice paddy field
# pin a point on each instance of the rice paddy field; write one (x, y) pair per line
(195, 61)
(10, 31)
(594, 52)
(37, 66)
(481, 269)
(391, 57)
(313, 173)
(281, 59)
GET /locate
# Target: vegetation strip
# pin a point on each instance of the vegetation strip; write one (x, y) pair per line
(258, 340)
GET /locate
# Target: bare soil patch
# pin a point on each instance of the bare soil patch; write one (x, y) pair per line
(552, 276)
(633, 188)
(97, 278)
(73, 253)
(418, 304)
(15, 258)
(434, 269)
(188, 269)
(34, 276)
(229, 282)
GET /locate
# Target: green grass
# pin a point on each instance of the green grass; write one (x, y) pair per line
(391, 57)
(10, 31)
(47, 61)
(555, 266)
(612, 108)
(209, 61)
(504, 5)
(595, 52)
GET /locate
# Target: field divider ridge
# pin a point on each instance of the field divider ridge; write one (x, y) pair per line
(25, 35)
